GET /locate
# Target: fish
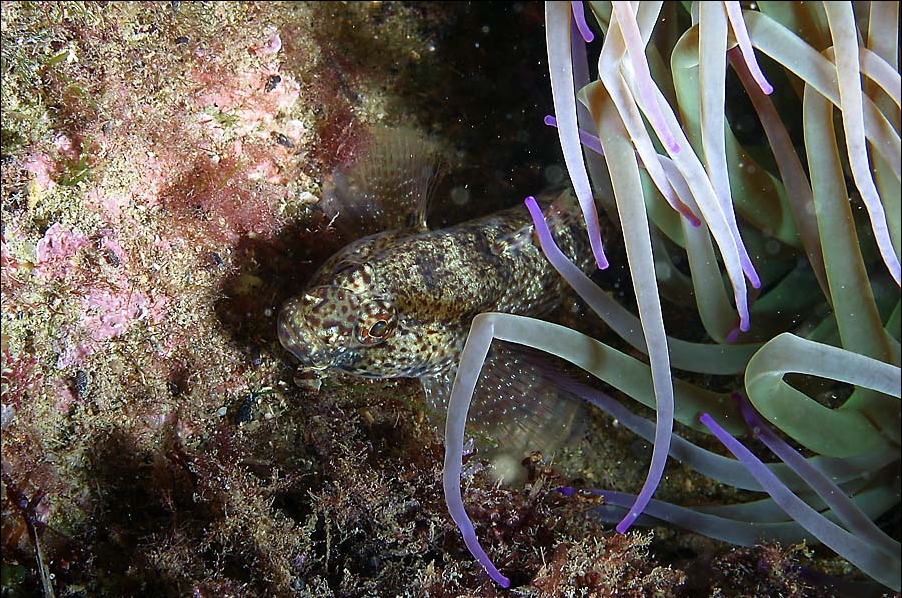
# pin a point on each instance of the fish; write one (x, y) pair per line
(399, 303)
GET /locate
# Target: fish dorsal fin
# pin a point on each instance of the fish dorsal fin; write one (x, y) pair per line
(387, 185)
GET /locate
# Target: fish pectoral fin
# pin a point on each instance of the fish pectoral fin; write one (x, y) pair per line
(438, 392)
(517, 408)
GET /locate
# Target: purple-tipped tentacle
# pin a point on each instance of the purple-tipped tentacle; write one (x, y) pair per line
(455, 424)
(860, 552)
(737, 24)
(579, 17)
(592, 142)
(560, 68)
(726, 529)
(665, 408)
(587, 139)
(854, 518)
(626, 18)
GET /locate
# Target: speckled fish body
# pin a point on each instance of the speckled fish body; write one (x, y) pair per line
(425, 287)
(400, 303)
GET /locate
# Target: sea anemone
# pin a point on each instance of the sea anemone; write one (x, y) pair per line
(798, 214)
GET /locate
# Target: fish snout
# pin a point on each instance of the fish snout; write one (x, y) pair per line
(297, 338)
(316, 327)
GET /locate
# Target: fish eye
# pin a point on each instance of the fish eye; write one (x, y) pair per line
(376, 322)
(379, 329)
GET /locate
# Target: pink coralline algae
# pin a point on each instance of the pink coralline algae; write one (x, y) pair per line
(109, 305)
(44, 169)
(109, 311)
(109, 314)
(246, 97)
(109, 205)
(251, 95)
(55, 252)
(270, 45)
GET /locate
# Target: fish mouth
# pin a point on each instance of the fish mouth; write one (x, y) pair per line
(297, 338)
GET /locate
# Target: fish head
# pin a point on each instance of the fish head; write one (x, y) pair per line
(341, 324)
